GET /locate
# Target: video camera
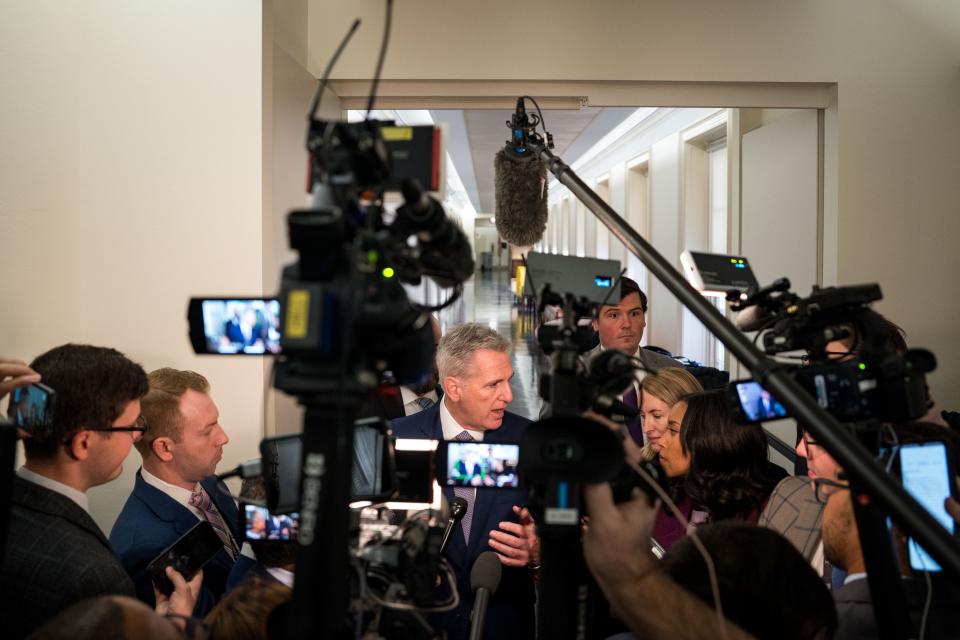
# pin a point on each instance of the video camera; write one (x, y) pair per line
(873, 377)
(341, 321)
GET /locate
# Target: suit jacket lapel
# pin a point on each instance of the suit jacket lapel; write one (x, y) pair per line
(163, 506)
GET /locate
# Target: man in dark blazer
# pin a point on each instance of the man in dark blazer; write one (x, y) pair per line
(175, 489)
(475, 372)
(55, 553)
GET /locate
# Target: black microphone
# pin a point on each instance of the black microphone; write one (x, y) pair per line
(520, 185)
(445, 253)
(458, 509)
(484, 580)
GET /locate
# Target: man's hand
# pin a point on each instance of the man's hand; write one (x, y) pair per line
(617, 542)
(15, 374)
(181, 602)
(517, 545)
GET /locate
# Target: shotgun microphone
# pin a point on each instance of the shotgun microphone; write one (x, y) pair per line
(520, 182)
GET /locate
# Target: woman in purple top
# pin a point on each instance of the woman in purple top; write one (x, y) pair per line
(719, 466)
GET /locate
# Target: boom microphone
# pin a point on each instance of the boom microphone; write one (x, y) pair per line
(520, 183)
(520, 187)
(484, 580)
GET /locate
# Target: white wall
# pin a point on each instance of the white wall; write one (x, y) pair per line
(897, 97)
(130, 179)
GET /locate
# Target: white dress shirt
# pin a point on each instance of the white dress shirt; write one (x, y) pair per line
(409, 399)
(48, 483)
(451, 428)
(179, 494)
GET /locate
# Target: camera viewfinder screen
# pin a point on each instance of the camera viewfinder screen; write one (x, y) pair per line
(758, 404)
(242, 326)
(477, 464)
(263, 525)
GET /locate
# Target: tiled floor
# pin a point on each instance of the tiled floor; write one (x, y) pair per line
(487, 299)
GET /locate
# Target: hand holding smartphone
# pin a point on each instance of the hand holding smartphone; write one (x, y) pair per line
(187, 555)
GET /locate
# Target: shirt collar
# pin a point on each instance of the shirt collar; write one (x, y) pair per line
(179, 494)
(407, 395)
(49, 483)
(451, 428)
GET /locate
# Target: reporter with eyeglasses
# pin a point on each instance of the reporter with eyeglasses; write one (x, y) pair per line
(55, 553)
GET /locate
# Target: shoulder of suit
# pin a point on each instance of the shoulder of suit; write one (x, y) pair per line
(658, 359)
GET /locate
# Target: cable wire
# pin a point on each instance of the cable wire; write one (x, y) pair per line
(383, 55)
(707, 558)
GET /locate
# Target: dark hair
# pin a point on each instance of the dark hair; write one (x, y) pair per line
(871, 332)
(270, 553)
(728, 474)
(94, 385)
(629, 286)
(766, 586)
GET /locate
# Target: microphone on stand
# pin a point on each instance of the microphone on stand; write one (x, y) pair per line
(458, 509)
(484, 580)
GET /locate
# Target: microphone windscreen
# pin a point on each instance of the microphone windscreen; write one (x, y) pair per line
(520, 188)
(458, 508)
(486, 572)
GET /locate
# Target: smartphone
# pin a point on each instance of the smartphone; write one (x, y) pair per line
(927, 472)
(32, 407)
(187, 555)
(234, 326)
(260, 524)
(479, 464)
(752, 403)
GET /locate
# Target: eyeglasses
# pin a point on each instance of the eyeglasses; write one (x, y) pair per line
(808, 444)
(138, 428)
(823, 488)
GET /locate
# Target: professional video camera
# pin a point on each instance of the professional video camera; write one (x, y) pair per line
(871, 378)
(341, 321)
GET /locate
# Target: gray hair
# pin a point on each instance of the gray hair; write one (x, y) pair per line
(457, 346)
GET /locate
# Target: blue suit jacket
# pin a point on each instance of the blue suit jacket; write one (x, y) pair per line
(510, 614)
(151, 521)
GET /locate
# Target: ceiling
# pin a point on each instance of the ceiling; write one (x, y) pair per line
(475, 136)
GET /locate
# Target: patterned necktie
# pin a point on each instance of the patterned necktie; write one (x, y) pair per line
(635, 426)
(201, 500)
(467, 493)
(424, 402)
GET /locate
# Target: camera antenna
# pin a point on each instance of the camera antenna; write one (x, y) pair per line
(383, 55)
(312, 114)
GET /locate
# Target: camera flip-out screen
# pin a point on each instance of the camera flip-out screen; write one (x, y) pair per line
(231, 326)
(590, 277)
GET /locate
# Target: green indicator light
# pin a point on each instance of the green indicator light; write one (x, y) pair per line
(372, 256)
(862, 367)
(740, 261)
(387, 272)
(733, 260)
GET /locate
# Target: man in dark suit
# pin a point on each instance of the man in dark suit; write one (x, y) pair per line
(475, 372)
(55, 554)
(620, 326)
(176, 487)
